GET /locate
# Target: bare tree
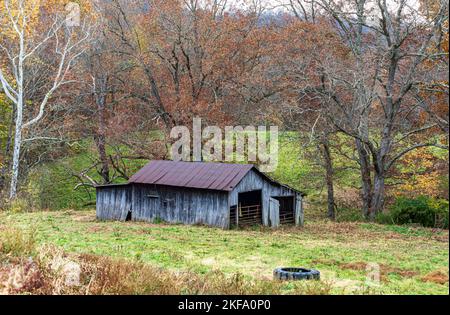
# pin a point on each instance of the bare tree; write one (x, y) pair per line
(371, 96)
(23, 38)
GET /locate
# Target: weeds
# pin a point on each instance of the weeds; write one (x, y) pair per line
(14, 242)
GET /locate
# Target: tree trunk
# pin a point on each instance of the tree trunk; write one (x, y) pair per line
(377, 201)
(366, 182)
(17, 146)
(100, 142)
(5, 168)
(326, 154)
(100, 138)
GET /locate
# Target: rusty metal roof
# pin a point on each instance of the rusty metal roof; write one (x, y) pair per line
(204, 175)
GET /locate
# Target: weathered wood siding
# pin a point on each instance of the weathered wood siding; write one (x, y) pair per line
(299, 215)
(274, 212)
(254, 181)
(188, 205)
(180, 205)
(113, 202)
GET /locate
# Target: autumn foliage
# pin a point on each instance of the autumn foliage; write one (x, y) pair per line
(362, 93)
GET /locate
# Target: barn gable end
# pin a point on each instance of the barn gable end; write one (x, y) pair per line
(113, 202)
(255, 180)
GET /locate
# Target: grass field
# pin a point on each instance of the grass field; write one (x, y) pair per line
(411, 260)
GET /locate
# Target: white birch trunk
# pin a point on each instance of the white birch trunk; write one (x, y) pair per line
(16, 152)
(19, 115)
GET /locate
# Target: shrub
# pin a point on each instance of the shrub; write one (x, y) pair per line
(25, 201)
(384, 218)
(16, 242)
(349, 215)
(157, 220)
(423, 210)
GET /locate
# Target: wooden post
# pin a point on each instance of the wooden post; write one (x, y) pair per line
(298, 210)
(238, 212)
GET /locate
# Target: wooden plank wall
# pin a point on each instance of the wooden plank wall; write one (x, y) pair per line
(274, 212)
(299, 214)
(180, 205)
(113, 203)
(187, 205)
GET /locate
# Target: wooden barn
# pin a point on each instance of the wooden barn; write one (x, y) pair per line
(216, 194)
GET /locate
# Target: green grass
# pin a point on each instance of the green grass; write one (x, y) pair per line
(52, 185)
(338, 250)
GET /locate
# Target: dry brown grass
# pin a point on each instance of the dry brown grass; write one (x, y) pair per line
(15, 242)
(437, 276)
(101, 275)
(361, 266)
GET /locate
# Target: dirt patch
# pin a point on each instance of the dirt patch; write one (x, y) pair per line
(327, 262)
(406, 273)
(354, 265)
(441, 237)
(437, 276)
(384, 269)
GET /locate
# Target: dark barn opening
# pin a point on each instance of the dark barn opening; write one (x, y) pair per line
(249, 209)
(287, 212)
(128, 218)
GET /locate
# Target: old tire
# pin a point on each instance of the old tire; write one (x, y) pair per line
(292, 273)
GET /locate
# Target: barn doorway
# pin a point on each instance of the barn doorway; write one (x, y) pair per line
(287, 211)
(248, 210)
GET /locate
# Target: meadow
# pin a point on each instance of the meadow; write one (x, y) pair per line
(411, 260)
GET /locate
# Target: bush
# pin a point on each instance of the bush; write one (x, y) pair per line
(384, 218)
(22, 203)
(15, 242)
(423, 210)
(349, 215)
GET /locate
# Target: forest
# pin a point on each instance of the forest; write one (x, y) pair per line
(90, 91)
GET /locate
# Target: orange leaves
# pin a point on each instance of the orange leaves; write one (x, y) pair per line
(31, 17)
(202, 63)
(422, 172)
(17, 15)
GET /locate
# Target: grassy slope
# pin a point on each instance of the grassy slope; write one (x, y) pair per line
(52, 184)
(338, 250)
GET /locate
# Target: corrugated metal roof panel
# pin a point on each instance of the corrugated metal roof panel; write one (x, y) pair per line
(206, 175)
